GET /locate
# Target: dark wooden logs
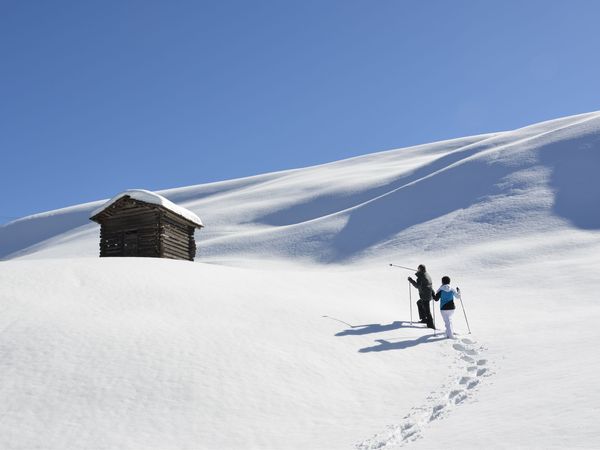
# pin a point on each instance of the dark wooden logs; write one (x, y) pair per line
(131, 227)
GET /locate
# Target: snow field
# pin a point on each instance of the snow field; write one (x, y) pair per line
(141, 353)
(291, 331)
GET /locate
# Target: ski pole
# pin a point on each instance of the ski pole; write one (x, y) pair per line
(402, 267)
(464, 312)
(433, 314)
(410, 302)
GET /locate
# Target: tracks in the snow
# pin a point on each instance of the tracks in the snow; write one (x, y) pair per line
(473, 369)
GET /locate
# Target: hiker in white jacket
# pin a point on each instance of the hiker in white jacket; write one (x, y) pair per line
(445, 295)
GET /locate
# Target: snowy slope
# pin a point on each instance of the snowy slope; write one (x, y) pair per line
(291, 330)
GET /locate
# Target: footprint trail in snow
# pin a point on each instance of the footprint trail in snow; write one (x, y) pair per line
(473, 368)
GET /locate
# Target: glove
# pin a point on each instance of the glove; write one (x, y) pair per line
(457, 289)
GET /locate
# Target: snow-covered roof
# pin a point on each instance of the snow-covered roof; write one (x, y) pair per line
(154, 199)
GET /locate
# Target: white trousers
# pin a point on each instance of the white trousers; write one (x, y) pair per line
(447, 316)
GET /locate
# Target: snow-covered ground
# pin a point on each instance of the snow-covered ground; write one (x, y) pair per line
(291, 331)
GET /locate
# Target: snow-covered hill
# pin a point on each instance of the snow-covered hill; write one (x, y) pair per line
(291, 330)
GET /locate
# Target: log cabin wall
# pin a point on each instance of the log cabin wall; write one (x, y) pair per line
(130, 229)
(134, 228)
(176, 237)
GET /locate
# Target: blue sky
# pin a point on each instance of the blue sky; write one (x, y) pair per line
(98, 97)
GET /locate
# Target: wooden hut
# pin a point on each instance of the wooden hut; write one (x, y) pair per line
(142, 223)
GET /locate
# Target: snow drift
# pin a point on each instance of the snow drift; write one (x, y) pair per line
(291, 331)
(529, 180)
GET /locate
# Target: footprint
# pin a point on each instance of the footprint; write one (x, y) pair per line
(454, 393)
(467, 359)
(408, 435)
(460, 398)
(459, 347)
(407, 426)
(464, 349)
(464, 380)
(481, 362)
(467, 341)
(472, 384)
(481, 372)
(471, 368)
(437, 411)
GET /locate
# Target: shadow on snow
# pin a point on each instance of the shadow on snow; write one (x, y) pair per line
(375, 328)
(384, 345)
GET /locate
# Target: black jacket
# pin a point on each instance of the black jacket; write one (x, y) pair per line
(423, 284)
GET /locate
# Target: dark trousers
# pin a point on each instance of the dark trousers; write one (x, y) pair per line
(424, 312)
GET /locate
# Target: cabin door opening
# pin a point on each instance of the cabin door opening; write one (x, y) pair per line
(130, 243)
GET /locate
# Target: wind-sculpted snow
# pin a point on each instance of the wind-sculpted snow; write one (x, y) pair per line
(344, 211)
(33, 230)
(574, 178)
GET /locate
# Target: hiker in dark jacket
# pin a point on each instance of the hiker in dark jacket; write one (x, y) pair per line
(423, 284)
